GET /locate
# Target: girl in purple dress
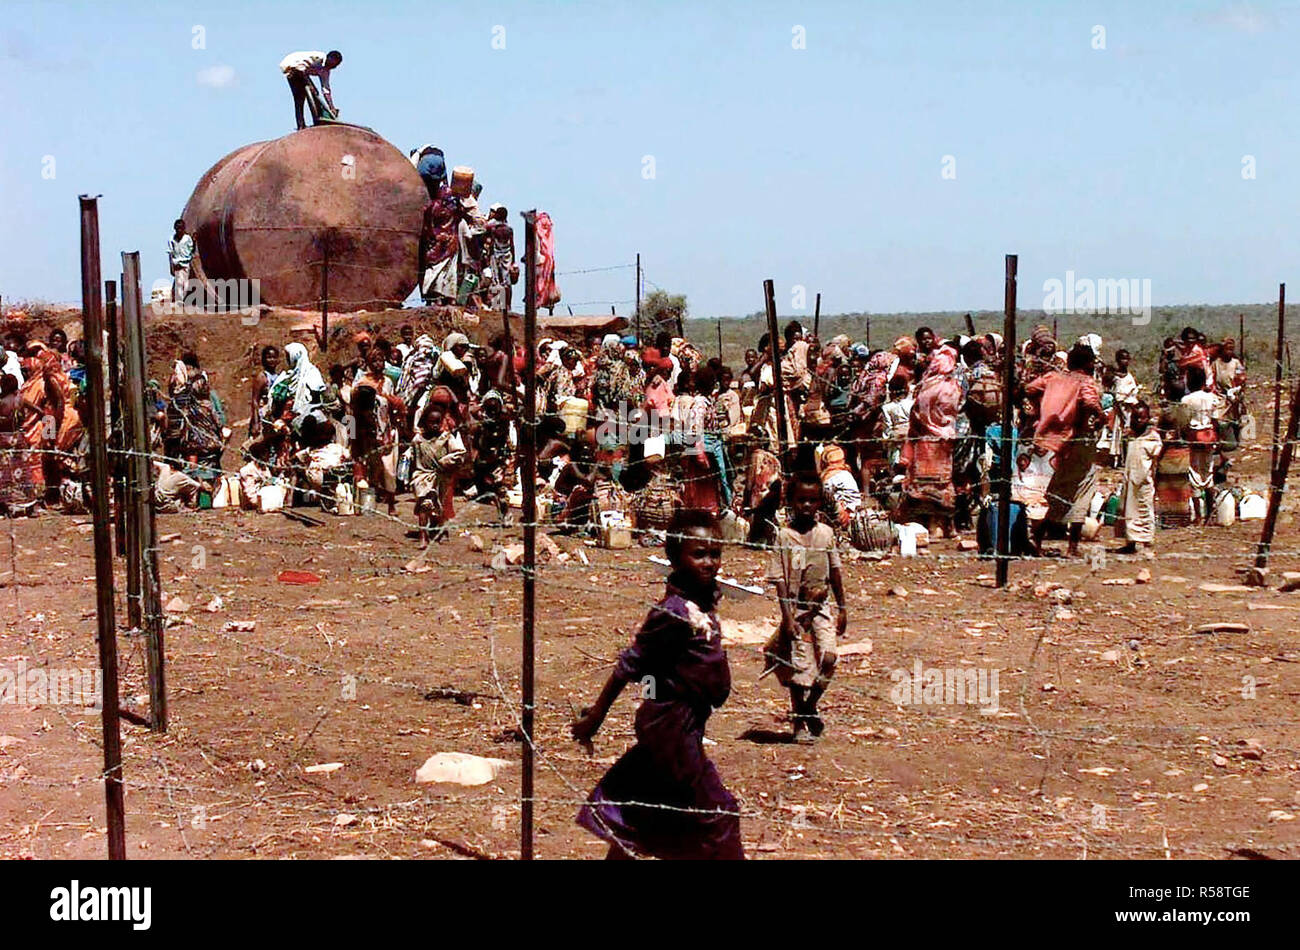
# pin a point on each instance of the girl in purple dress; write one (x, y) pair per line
(677, 662)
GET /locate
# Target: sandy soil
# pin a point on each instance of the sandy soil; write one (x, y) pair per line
(1120, 731)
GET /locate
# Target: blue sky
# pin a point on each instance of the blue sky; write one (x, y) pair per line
(818, 167)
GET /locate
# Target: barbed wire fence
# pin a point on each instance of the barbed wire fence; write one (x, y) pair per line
(1079, 829)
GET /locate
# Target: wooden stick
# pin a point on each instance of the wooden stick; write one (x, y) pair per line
(151, 604)
(1008, 415)
(528, 446)
(115, 417)
(817, 319)
(1277, 376)
(325, 299)
(93, 335)
(778, 384)
(1278, 483)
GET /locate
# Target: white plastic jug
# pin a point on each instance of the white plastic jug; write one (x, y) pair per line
(343, 498)
(271, 497)
(1253, 507)
(1225, 509)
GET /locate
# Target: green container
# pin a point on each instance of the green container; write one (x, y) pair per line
(467, 287)
(205, 498)
(1110, 510)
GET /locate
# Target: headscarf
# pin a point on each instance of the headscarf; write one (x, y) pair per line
(939, 398)
(301, 382)
(904, 345)
(872, 385)
(613, 382)
(416, 369)
(832, 460)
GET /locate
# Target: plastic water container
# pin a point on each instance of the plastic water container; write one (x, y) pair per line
(1225, 509)
(462, 181)
(574, 414)
(1253, 507)
(343, 499)
(271, 497)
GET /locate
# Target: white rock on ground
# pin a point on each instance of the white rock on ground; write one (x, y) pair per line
(459, 768)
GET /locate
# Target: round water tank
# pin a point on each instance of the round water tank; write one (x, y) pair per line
(276, 211)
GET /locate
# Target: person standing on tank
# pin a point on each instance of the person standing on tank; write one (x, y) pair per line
(298, 68)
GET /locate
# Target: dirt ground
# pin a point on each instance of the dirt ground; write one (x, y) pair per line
(1119, 732)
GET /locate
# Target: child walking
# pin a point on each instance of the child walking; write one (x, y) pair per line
(804, 561)
(683, 811)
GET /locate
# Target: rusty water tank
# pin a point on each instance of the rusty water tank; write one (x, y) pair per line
(276, 211)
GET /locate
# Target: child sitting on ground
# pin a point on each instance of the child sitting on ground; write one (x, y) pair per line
(804, 561)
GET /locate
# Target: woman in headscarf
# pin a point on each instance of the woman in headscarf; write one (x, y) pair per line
(417, 370)
(866, 421)
(52, 391)
(929, 492)
(613, 382)
(17, 492)
(440, 247)
(704, 467)
(301, 387)
(374, 447)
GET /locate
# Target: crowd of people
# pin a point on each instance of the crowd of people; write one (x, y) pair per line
(629, 433)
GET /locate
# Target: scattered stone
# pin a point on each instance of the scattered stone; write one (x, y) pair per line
(1256, 576)
(1200, 787)
(176, 606)
(966, 544)
(1120, 581)
(747, 632)
(215, 604)
(1062, 595)
(257, 765)
(1062, 613)
(343, 819)
(7, 741)
(1143, 576)
(898, 592)
(1111, 656)
(889, 732)
(240, 626)
(417, 565)
(1212, 588)
(476, 543)
(459, 768)
(1220, 626)
(1278, 814)
(1220, 761)
(1254, 749)
(858, 648)
(582, 556)
(1290, 581)
(514, 553)
(166, 538)
(324, 768)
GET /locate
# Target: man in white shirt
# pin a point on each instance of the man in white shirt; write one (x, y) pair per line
(298, 68)
(180, 257)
